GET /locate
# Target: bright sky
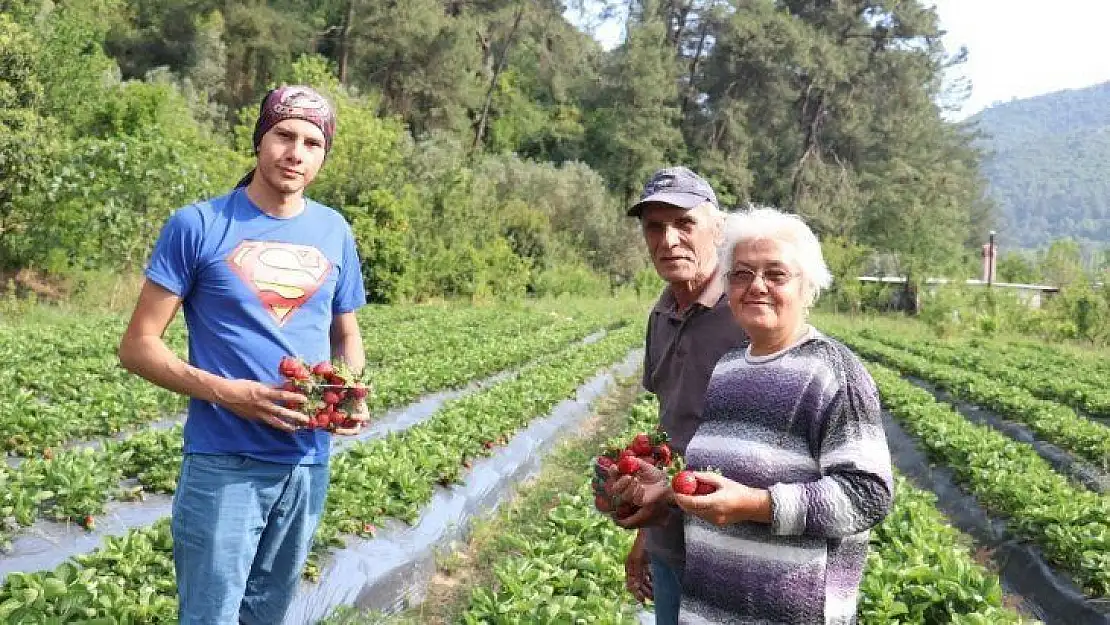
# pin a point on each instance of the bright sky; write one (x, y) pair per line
(1023, 48)
(1016, 48)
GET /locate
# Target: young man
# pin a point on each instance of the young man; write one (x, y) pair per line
(262, 272)
(689, 329)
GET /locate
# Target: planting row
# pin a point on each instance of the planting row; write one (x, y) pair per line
(568, 565)
(1009, 479)
(130, 579)
(1070, 384)
(1057, 424)
(76, 484)
(63, 382)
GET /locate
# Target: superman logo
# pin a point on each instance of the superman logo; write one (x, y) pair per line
(283, 275)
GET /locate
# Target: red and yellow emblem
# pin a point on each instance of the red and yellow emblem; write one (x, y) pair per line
(283, 275)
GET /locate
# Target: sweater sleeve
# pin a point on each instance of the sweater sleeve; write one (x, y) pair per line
(856, 488)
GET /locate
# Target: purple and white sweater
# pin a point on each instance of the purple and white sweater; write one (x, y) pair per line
(804, 423)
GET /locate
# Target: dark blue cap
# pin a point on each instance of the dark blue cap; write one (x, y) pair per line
(675, 186)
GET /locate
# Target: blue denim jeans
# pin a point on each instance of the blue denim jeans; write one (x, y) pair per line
(666, 586)
(242, 529)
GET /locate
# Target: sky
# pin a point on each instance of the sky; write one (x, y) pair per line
(1016, 48)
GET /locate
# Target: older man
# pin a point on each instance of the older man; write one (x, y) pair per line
(689, 329)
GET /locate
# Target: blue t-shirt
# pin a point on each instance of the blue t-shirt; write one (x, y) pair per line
(256, 288)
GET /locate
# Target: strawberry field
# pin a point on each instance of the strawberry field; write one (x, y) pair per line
(455, 386)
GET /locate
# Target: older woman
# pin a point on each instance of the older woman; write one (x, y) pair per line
(792, 425)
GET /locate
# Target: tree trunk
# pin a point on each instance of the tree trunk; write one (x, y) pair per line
(484, 118)
(687, 98)
(345, 42)
(811, 118)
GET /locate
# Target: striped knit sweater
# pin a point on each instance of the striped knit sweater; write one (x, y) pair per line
(805, 424)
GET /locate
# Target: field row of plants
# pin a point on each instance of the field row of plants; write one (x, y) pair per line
(1070, 525)
(1080, 386)
(568, 564)
(59, 391)
(130, 579)
(1053, 422)
(75, 484)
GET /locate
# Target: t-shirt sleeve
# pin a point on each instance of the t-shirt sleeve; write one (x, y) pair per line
(173, 263)
(350, 292)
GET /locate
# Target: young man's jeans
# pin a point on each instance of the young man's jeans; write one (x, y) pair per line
(666, 586)
(242, 529)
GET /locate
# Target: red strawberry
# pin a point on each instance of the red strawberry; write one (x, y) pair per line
(626, 452)
(605, 462)
(330, 398)
(368, 528)
(641, 445)
(336, 379)
(323, 369)
(705, 488)
(602, 503)
(487, 444)
(88, 522)
(627, 466)
(289, 366)
(684, 483)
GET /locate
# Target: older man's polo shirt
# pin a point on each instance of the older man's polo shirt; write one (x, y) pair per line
(681, 350)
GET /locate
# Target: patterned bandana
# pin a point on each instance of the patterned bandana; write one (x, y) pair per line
(295, 102)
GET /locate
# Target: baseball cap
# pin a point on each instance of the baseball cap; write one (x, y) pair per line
(676, 186)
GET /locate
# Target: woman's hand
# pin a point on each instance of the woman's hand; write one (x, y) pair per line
(732, 502)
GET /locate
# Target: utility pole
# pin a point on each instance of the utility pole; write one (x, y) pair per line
(990, 261)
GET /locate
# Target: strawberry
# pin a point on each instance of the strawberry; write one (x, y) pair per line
(605, 462)
(487, 444)
(336, 379)
(625, 453)
(705, 488)
(368, 528)
(323, 369)
(88, 522)
(323, 420)
(602, 503)
(641, 445)
(359, 391)
(627, 466)
(330, 397)
(289, 366)
(684, 483)
(662, 454)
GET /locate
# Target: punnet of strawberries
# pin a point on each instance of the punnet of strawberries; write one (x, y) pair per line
(331, 389)
(651, 448)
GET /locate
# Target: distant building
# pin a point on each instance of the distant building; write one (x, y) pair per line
(1031, 294)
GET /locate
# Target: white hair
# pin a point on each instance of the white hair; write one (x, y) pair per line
(770, 224)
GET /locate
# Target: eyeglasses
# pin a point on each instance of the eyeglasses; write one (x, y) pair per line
(743, 278)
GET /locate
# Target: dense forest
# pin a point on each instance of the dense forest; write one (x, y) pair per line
(488, 146)
(1046, 161)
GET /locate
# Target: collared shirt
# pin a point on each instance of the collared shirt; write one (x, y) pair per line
(681, 350)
